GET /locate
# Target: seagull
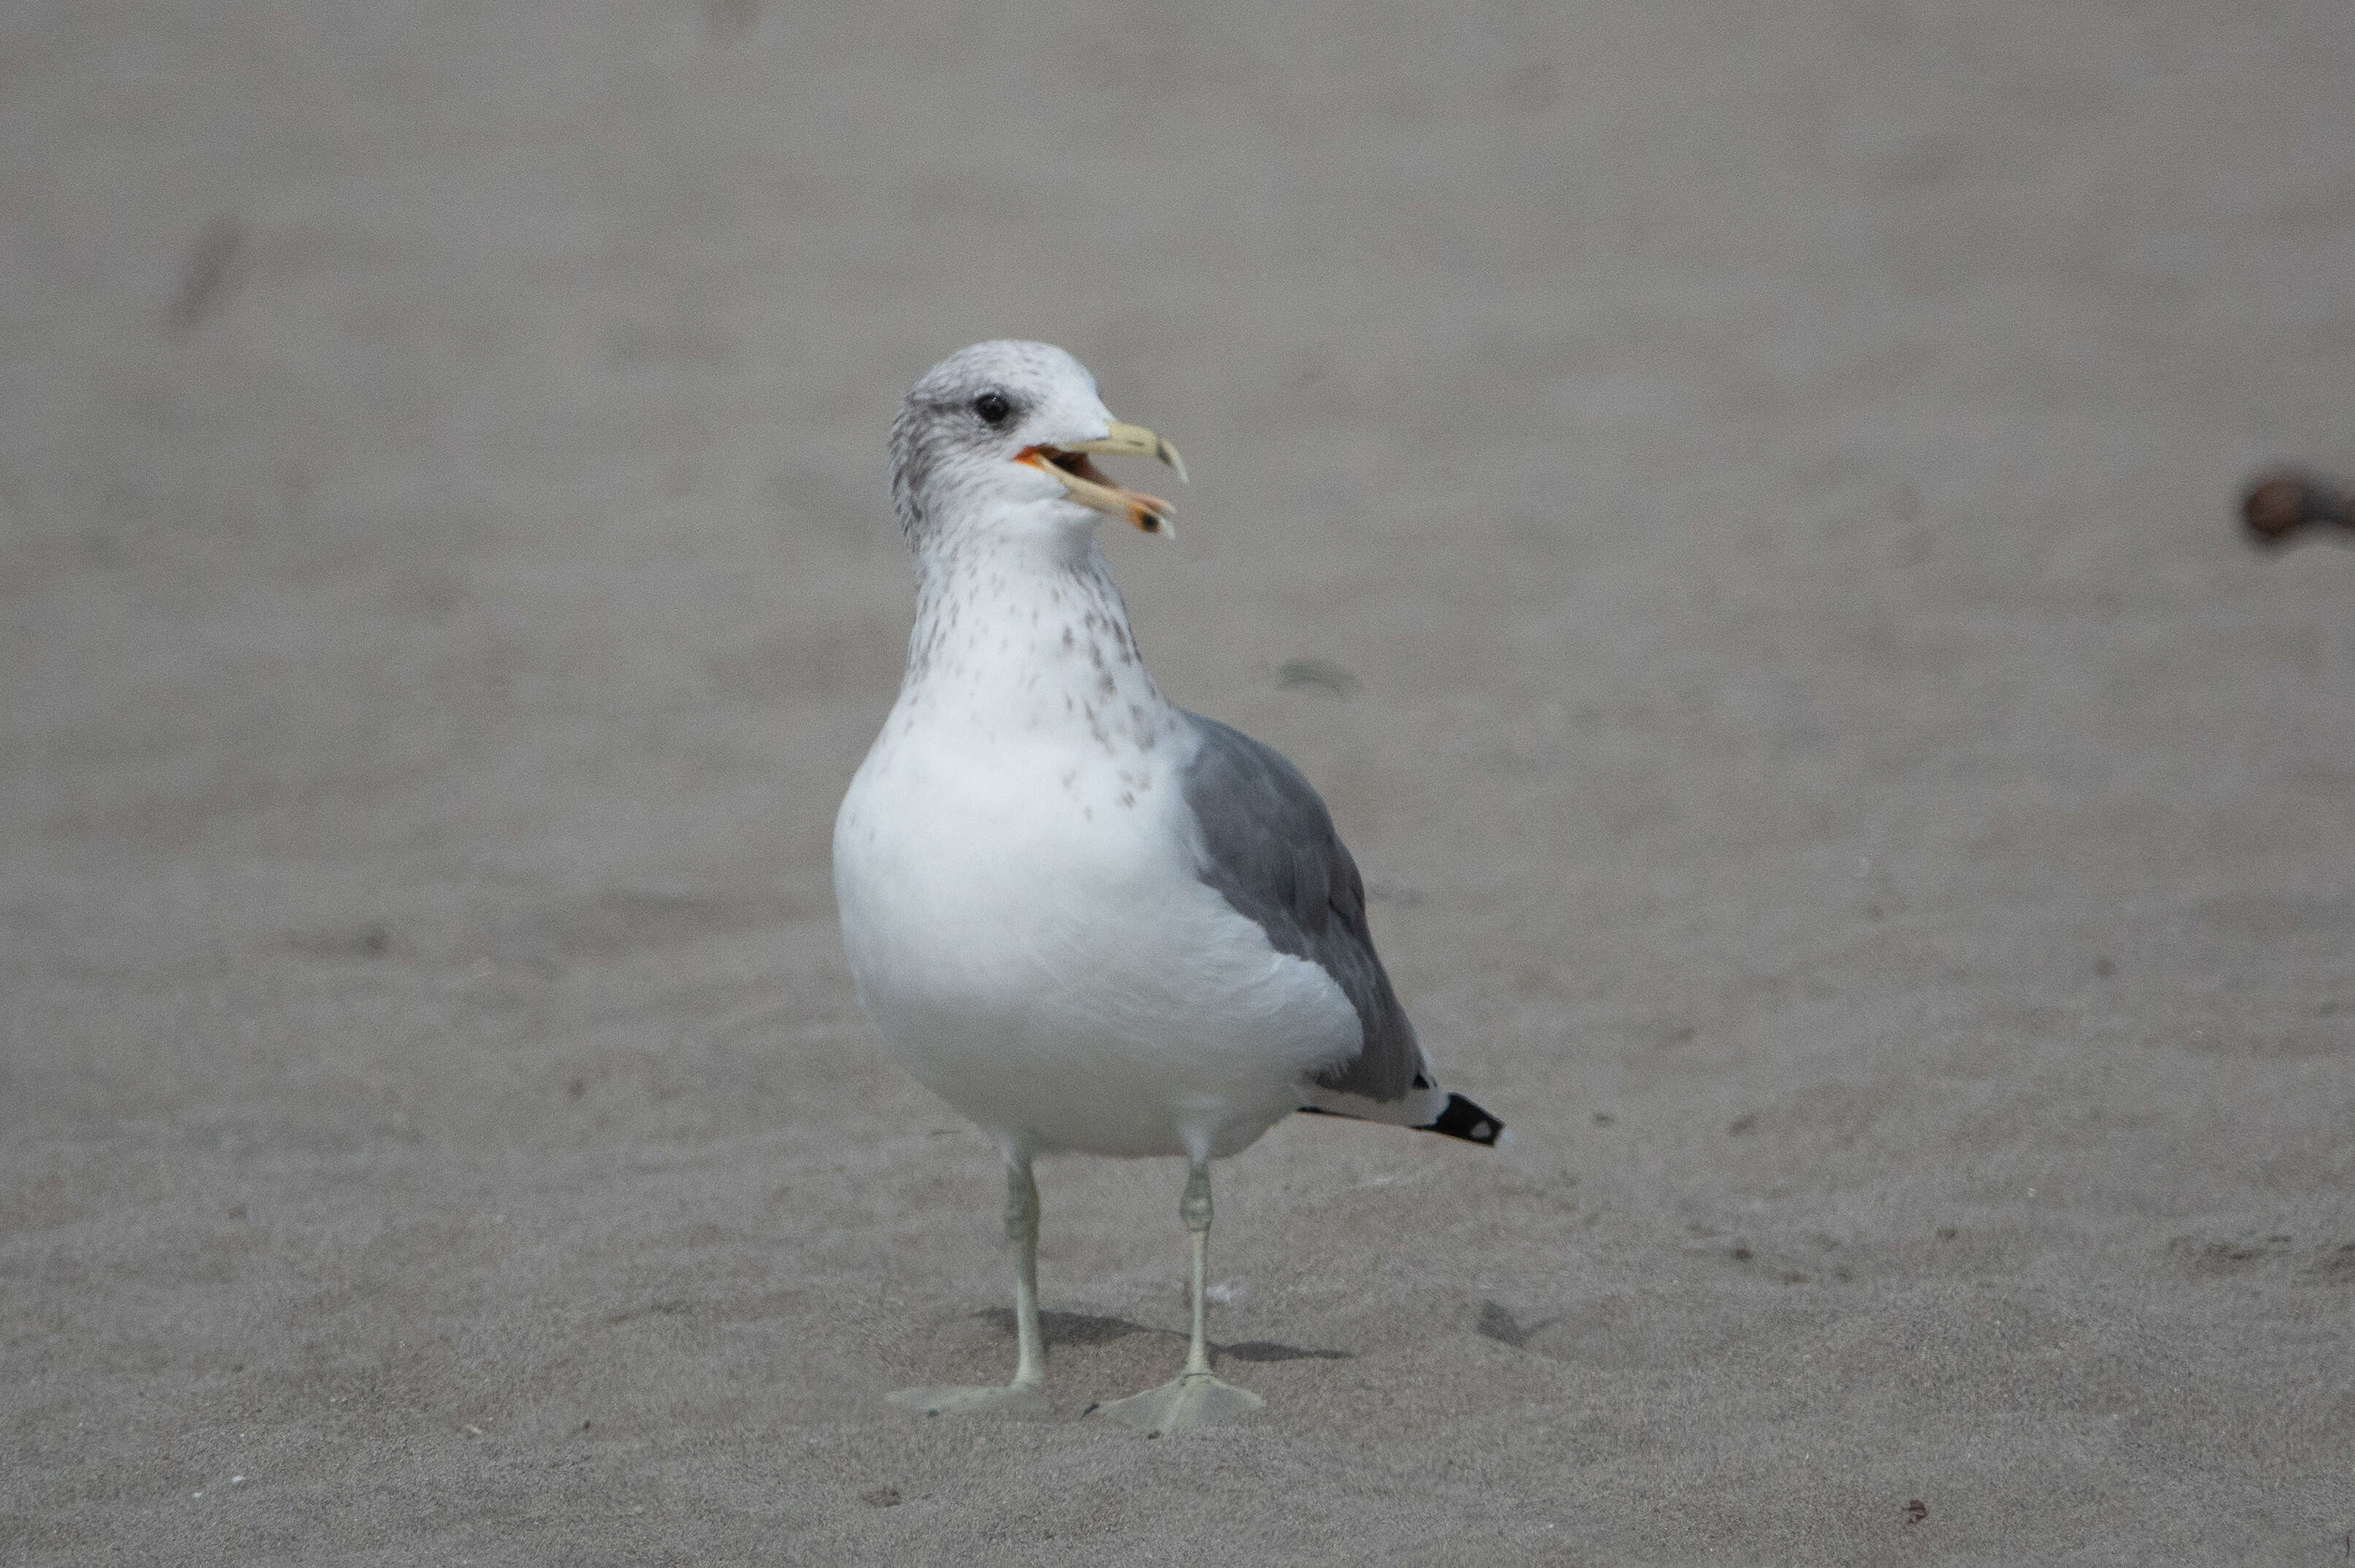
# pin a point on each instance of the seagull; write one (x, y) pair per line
(1088, 920)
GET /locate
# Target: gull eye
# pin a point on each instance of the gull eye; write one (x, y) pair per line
(993, 408)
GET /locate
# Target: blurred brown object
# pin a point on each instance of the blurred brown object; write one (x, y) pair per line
(214, 269)
(2277, 505)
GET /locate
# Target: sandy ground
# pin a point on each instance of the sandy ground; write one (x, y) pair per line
(1734, 511)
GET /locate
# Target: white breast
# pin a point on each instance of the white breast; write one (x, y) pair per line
(1023, 919)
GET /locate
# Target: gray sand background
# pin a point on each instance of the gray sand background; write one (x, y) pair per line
(1732, 508)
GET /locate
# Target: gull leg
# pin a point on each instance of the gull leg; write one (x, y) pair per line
(1026, 1395)
(1197, 1398)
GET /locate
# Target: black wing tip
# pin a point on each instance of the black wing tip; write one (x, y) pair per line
(1464, 1120)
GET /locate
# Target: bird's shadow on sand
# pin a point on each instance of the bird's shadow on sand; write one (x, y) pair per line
(1088, 1328)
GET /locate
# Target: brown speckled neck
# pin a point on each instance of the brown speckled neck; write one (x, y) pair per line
(1019, 640)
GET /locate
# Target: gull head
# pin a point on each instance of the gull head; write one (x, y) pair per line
(998, 437)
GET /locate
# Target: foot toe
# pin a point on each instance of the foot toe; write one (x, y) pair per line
(1201, 1400)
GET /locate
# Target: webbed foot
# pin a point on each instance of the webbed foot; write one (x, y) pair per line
(1195, 1400)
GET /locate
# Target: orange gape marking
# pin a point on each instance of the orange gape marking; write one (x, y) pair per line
(1145, 512)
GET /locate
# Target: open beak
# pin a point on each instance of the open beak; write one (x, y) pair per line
(1091, 486)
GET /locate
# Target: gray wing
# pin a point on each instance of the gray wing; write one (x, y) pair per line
(1272, 851)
